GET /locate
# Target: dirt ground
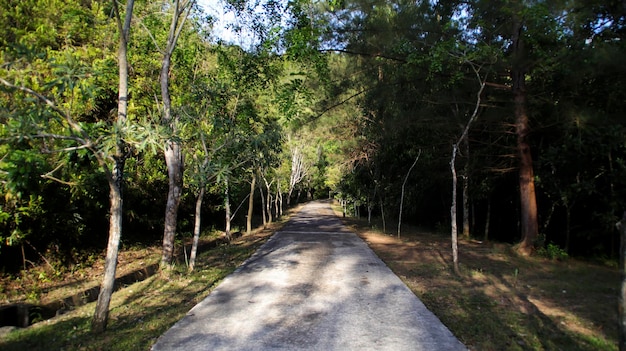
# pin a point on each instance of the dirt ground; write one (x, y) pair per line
(502, 300)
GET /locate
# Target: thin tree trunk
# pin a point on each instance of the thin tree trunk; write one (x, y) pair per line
(528, 202)
(402, 194)
(250, 205)
(227, 209)
(116, 177)
(382, 215)
(196, 229)
(23, 258)
(276, 204)
(466, 202)
(568, 218)
(262, 205)
(455, 149)
(455, 244)
(279, 198)
(546, 223)
(621, 307)
(487, 220)
(269, 200)
(101, 315)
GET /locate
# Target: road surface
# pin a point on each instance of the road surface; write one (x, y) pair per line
(314, 285)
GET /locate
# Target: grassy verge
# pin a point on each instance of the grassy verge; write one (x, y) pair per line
(503, 301)
(139, 312)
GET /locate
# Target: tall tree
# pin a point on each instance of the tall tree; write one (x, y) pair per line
(528, 202)
(173, 155)
(116, 182)
(455, 147)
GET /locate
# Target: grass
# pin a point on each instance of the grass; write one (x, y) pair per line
(139, 313)
(502, 301)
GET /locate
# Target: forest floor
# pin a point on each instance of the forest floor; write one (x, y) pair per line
(501, 301)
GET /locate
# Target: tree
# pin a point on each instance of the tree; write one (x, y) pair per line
(455, 148)
(402, 194)
(528, 207)
(173, 154)
(60, 123)
(116, 176)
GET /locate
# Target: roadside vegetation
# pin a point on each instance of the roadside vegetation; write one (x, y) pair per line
(140, 312)
(502, 300)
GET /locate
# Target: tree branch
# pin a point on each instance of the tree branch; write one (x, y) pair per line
(75, 126)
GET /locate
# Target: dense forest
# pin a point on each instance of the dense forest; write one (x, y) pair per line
(132, 123)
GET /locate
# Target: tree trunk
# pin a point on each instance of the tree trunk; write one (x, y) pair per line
(528, 202)
(455, 149)
(250, 205)
(466, 202)
(116, 178)
(297, 172)
(453, 225)
(173, 155)
(279, 198)
(402, 194)
(101, 315)
(487, 220)
(276, 204)
(262, 205)
(196, 229)
(382, 215)
(175, 175)
(269, 200)
(621, 307)
(568, 220)
(227, 210)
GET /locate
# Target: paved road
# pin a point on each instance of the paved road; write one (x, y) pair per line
(313, 286)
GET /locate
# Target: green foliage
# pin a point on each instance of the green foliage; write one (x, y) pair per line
(553, 252)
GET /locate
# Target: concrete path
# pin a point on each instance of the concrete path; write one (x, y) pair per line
(313, 286)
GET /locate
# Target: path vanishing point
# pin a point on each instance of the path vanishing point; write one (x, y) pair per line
(314, 285)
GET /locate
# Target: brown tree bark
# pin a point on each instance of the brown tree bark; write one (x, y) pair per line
(250, 205)
(529, 226)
